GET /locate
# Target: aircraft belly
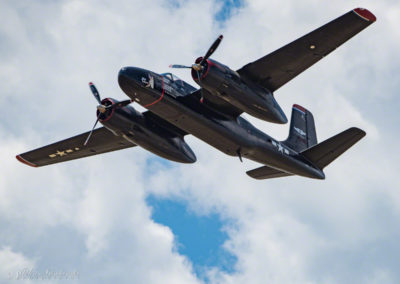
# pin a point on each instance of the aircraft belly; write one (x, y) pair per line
(196, 124)
(283, 162)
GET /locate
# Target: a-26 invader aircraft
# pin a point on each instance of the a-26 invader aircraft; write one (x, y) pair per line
(212, 113)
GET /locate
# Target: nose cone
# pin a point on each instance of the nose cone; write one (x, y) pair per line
(126, 77)
(131, 78)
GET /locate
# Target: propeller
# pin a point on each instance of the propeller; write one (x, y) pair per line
(212, 48)
(198, 67)
(95, 92)
(91, 131)
(102, 108)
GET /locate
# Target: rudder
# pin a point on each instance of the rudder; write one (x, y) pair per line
(302, 134)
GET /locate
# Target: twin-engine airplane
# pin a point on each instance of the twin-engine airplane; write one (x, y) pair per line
(212, 113)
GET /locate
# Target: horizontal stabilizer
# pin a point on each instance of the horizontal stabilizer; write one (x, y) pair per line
(266, 172)
(325, 152)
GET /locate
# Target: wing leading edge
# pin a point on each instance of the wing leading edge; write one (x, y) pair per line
(279, 67)
(102, 141)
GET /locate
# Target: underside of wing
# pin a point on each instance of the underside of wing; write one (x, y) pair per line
(279, 67)
(215, 103)
(266, 172)
(102, 141)
(150, 116)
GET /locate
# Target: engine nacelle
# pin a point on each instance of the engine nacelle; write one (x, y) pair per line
(227, 84)
(137, 128)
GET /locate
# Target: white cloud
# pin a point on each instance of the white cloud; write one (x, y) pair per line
(13, 264)
(288, 230)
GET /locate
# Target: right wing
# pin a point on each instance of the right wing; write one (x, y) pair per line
(102, 141)
(266, 172)
(279, 67)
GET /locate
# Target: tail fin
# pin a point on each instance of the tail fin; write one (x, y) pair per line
(325, 152)
(302, 133)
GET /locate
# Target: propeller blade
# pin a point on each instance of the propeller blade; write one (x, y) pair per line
(90, 134)
(212, 48)
(179, 66)
(95, 92)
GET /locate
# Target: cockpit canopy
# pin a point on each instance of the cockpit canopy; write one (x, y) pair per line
(171, 77)
(178, 81)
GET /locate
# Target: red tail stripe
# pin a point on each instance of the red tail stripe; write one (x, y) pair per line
(300, 108)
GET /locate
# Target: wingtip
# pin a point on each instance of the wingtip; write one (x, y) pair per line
(22, 160)
(359, 131)
(365, 14)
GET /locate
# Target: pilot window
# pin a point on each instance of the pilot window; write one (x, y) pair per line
(168, 75)
(173, 78)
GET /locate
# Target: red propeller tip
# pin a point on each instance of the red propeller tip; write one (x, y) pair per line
(221, 37)
(90, 83)
(170, 66)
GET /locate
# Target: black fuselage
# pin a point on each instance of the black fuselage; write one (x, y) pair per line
(171, 100)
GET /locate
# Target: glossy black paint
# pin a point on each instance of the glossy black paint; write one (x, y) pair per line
(140, 130)
(223, 82)
(212, 113)
(231, 136)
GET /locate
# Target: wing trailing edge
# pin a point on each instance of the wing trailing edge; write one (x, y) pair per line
(279, 67)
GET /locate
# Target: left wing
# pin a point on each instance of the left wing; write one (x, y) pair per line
(279, 67)
(102, 141)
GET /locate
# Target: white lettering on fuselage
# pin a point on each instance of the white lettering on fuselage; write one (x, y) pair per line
(149, 83)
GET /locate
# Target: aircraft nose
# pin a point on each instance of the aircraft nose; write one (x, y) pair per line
(128, 78)
(132, 75)
(126, 73)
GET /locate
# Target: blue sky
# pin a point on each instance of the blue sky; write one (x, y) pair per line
(200, 238)
(129, 215)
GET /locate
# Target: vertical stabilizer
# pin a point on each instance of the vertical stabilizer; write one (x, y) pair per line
(302, 133)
